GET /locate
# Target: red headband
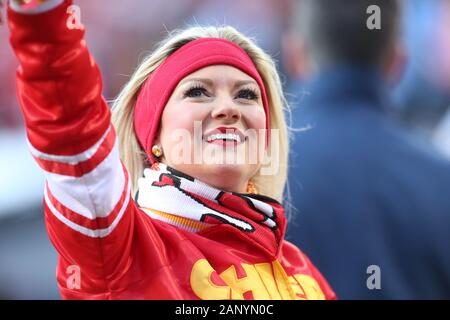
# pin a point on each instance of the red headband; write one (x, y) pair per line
(189, 58)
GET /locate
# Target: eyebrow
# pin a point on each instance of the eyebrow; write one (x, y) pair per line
(210, 82)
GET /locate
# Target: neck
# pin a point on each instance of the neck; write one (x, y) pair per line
(225, 182)
(225, 178)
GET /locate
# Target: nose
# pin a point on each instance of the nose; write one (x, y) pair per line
(226, 110)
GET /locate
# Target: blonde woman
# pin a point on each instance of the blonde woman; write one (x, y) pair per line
(151, 206)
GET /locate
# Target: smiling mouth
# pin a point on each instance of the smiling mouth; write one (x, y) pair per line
(225, 136)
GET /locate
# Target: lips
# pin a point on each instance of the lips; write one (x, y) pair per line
(224, 135)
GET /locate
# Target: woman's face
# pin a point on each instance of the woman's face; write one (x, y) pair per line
(212, 127)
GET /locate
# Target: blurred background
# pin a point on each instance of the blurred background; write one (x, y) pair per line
(120, 35)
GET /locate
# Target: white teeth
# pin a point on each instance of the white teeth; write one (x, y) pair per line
(222, 136)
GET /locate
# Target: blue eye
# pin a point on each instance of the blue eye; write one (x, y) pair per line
(195, 92)
(248, 94)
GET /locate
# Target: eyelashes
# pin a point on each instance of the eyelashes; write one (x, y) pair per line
(199, 91)
(248, 93)
(195, 91)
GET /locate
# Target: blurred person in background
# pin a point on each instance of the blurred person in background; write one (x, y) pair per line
(441, 135)
(373, 204)
(423, 95)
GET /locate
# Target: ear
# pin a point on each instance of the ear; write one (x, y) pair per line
(295, 56)
(395, 64)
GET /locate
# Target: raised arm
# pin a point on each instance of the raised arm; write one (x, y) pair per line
(88, 210)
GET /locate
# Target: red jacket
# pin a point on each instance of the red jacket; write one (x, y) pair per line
(108, 248)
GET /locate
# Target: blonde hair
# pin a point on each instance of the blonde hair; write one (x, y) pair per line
(135, 159)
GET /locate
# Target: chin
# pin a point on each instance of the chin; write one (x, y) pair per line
(227, 177)
(226, 170)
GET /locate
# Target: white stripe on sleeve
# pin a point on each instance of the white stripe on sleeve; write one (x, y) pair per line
(100, 233)
(96, 193)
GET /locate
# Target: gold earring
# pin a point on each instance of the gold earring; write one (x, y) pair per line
(251, 188)
(157, 151)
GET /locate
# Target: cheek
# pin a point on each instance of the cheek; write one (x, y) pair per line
(177, 123)
(256, 123)
(177, 118)
(180, 116)
(255, 118)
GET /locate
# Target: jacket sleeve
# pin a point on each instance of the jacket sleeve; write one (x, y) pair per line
(88, 210)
